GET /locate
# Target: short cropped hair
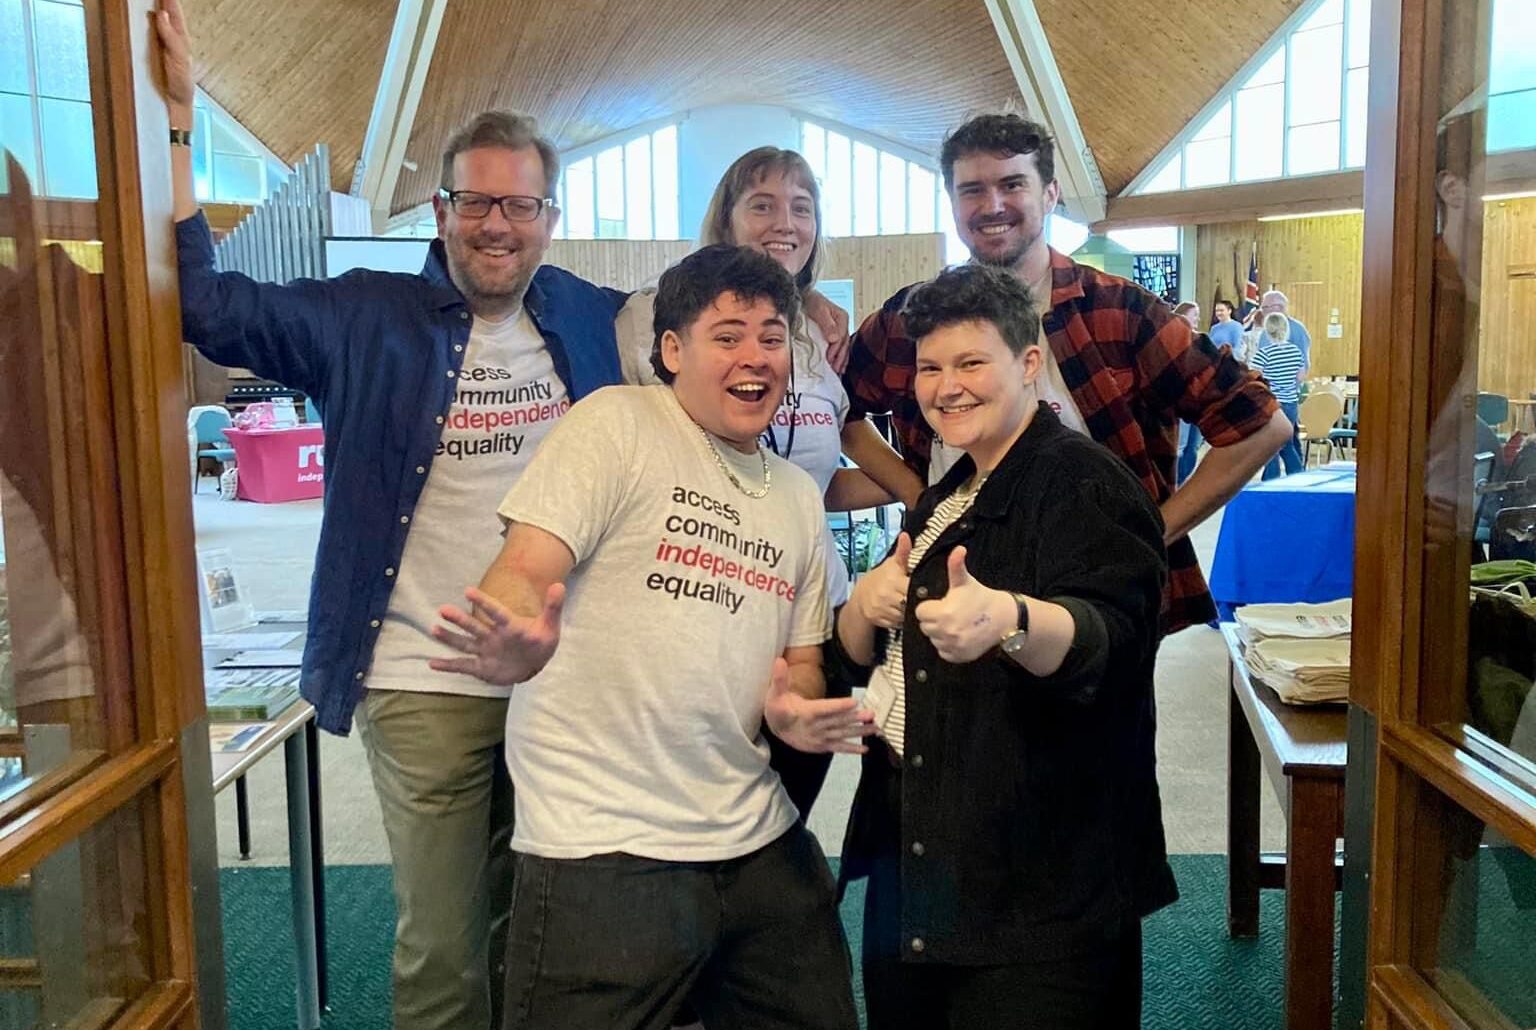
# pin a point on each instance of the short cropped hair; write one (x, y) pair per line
(974, 293)
(697, 281)
(746, 172)
(509, 129)
(1005, 135)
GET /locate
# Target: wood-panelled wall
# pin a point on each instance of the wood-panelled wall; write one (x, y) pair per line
(878, 265)
(1317, 262)
(1507, 361)
(881, 265)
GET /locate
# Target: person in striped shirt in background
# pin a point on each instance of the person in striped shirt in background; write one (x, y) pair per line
(1282, 365)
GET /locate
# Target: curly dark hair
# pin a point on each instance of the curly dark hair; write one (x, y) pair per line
(974, 293)
(692, 285)
(1004, 135)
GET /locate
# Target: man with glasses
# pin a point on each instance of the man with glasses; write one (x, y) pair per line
(1119, 366)
(436, 389)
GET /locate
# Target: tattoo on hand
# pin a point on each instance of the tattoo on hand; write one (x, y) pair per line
(982, 619)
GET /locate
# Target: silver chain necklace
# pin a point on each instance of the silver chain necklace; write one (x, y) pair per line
(767, 473)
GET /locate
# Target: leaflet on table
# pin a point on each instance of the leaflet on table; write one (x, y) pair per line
(263, 660)
(234, 736)
(223, 679)
(283, 615)
(249, 641)
(247, 704)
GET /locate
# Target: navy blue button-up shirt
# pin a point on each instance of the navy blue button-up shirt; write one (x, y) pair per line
(377, 352)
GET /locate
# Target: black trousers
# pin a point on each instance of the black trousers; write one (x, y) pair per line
(616, 942)
(1095, 990)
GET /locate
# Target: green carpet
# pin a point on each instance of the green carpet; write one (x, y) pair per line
(1196, 978)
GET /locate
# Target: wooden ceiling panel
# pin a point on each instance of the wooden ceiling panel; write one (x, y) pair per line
(1139, 70)
(295, 72)
(590, 68)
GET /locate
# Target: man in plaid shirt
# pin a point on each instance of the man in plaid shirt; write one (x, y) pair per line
(1119, 366)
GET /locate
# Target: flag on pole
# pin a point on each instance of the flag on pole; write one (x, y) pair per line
(1251, 288)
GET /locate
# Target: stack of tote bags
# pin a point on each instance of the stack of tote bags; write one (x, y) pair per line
(1300, 650)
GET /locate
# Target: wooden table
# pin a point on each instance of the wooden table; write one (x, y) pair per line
(1302, 749)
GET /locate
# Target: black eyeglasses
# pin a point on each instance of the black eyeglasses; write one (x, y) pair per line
(469, 204)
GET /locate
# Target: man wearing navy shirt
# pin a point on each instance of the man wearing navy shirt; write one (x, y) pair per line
(436, 389)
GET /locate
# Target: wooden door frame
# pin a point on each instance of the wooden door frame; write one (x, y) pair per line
(155, 563)
(1397, 660)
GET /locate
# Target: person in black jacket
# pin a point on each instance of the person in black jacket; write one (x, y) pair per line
(1009, 823)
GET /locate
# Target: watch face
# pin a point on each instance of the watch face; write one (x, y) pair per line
(1014, 642)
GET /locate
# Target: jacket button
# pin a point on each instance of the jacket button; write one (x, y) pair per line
(421, 470)
(389, 571)
(922, 591)
(918, 849)
(918, 947)
(404, 519)
(439, 420)
(458, 347)
(916, 761)
(922, 675)
(451, 373)
(463, 316)
(375, 623)
(358, 676)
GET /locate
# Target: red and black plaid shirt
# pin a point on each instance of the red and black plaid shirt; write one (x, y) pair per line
(1134, 370)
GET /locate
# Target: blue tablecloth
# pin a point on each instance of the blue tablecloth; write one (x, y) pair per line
(1288, 539)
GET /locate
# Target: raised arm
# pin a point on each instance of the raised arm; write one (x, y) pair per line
(280, 332)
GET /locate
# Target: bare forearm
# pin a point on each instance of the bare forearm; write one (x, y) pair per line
(1221, 473)
(853, 489)
(1051, 630)
(183, 191)
(856, 633)
(807, 680)
(883, 465)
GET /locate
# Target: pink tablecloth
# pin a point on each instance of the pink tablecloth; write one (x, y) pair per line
(279, 464)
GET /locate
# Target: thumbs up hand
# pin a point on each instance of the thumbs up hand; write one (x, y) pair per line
(881, 593)
(969, 619)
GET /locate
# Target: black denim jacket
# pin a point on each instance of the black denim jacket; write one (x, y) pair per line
(1034, 799)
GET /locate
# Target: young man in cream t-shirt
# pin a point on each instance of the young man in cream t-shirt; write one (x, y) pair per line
(661, 594)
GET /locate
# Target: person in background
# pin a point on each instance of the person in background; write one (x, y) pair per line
(1008, 819)
(660, 593)
(1189, 433)
(1225, 330)
(1274, 302)
(1117, 366)
(1281, 364)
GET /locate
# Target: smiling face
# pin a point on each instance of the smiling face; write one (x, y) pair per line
(1000, 206)
(730, 365)
(1221, 311)
(975, 392)
(490, 259)
(778, 217)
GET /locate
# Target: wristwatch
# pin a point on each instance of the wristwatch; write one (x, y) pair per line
(1014, 640)
(181, 137)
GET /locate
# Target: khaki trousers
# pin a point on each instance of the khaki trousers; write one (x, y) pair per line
(441, 777)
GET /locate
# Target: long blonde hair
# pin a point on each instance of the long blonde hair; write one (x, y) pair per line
(746, 172)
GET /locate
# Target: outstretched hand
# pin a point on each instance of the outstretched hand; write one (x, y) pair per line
(835, 724)
(966, 622)
(175, 55)
(881, 593)
(501, 647)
